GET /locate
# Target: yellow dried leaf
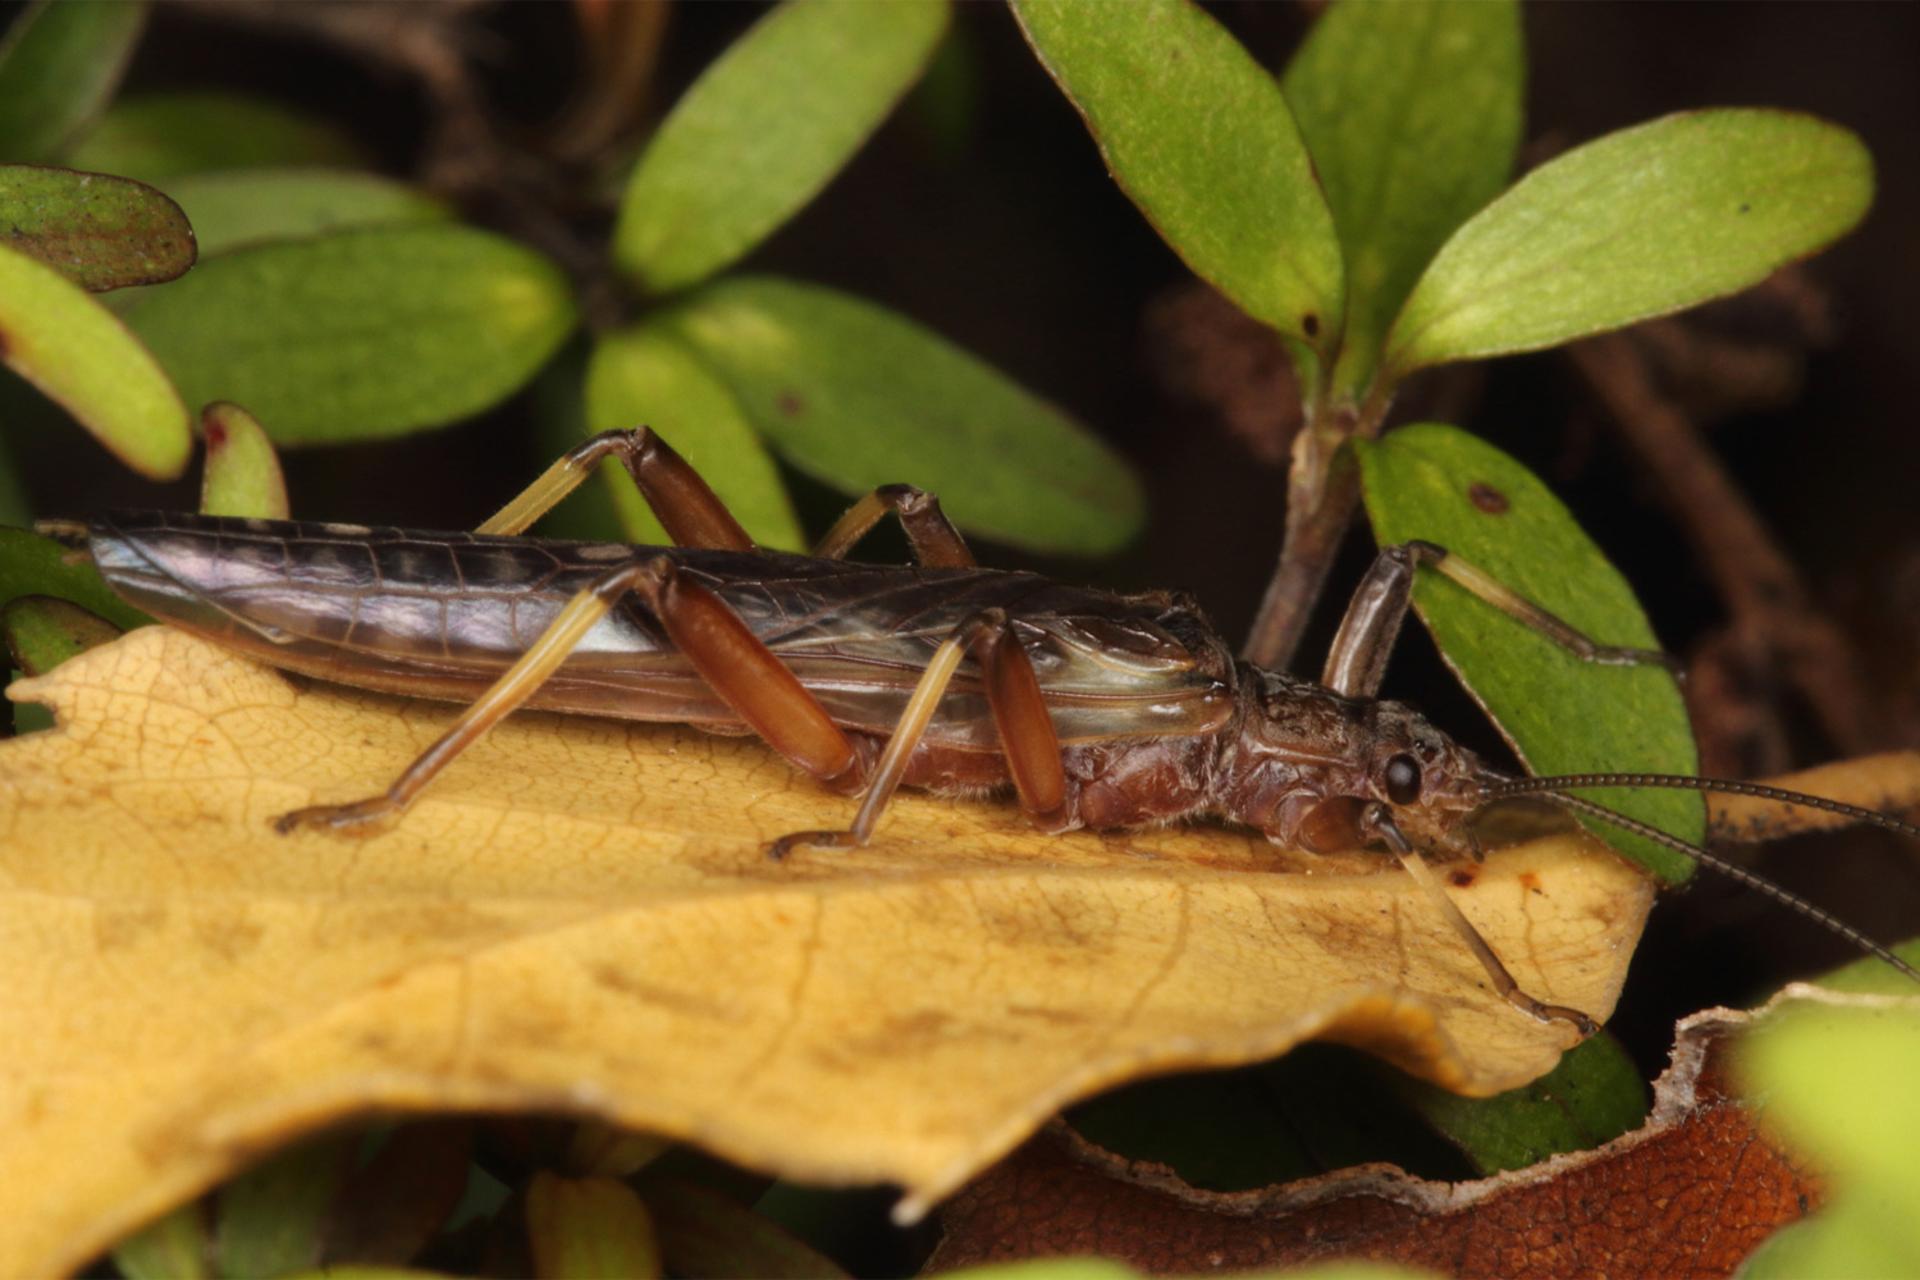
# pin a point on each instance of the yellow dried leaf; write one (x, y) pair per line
(579, 916)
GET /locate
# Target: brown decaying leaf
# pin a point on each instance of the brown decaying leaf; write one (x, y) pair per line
(1690, 1193)
(1889, 783)
(580, 917)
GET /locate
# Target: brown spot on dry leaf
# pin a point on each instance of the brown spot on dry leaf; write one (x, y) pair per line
(1691, 1193)
(580, 916)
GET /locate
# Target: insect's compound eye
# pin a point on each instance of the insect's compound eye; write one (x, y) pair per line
(1403, 779)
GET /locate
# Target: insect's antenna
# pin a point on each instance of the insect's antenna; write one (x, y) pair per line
(1685, 782)
(1712, 862)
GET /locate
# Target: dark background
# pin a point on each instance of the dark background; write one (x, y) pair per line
(999, 229)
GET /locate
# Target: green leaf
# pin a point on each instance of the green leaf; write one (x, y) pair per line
(764, 129)
(856, 396)
(44, 631)
(644, 375)
(1320, 1107)
(588, 1228)
(59, 65)
(240, 207)
(704, 1233)
(271, 1217)
(1412, 112)
(1640, 223)
(79, 354)
(360, 334)
(1838, 1084)
(160, 136)
(98, 231)
(242, 476)
(1592, 1096)
(31, 565)
(1561, 715)
(1197, 133)
(1870, 974)
(174, 1248)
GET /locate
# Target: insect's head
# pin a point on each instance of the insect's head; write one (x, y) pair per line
(1319, 772)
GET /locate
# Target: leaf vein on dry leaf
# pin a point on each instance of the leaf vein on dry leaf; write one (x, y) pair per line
(796, 1000)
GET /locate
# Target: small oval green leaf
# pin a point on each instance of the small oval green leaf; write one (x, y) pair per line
(360, 334)
(41, 632)
(77, 352)
(585, 1228)
(645, 376)
(1412, 112)
(31, 565)
(236, 208)
(856, 396)
(98, 231)
(59, 64)
(1838, 1082)
(1637, 224)
(704, 1233)
(1593, 1095)
(158, 136)
(1562, 715)
(764, 129)
(242, 475)
(1198, 135)
(173, 1248)
(272, 1216)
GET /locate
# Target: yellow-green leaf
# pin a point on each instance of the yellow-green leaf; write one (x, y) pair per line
(41, 632)
(242, 475)
(1637, 224)
(1412, 112)
(589, 1229)
(59, 64)
(362, 333)
(157, 137)
(1198, 134)
(643, 375)
(98, 231)
(857, 396)
(77, 352)
(764, 129)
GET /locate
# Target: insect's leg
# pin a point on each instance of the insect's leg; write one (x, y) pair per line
(1020, 715)
(935, 541)
(527, 674)
(1358, 659)
(1380, 822)
(728, 656)
(692, 514)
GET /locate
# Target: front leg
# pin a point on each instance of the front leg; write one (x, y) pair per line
(1357, 662)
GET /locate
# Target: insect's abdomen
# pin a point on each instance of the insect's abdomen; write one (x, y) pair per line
(429, 615)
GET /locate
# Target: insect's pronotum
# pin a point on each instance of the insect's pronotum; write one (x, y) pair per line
(1101, 710)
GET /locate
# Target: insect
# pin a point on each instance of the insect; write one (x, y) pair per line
(1100, 710)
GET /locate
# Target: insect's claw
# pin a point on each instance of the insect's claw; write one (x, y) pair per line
(334, 817)
(786, 844)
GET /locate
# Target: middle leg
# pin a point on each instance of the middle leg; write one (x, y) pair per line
(1019, 715)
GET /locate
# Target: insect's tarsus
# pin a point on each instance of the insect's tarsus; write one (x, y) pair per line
(1556, 790)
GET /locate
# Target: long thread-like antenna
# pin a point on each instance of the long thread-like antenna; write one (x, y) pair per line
(1686, 782)
(1549, 789)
